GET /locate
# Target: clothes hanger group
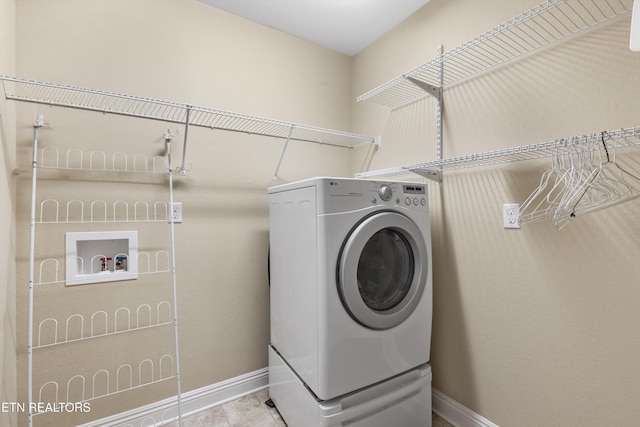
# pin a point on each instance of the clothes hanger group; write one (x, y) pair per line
(585, 176)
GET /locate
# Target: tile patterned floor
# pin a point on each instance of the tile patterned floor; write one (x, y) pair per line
(250, 411)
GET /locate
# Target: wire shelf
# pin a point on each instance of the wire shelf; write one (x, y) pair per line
(98, 324)
(173, 112)
(50, 271)
(75, 159)
(103, 383)
(540, 26)
(53, 211)
(620, 138)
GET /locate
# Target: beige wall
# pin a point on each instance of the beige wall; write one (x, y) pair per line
(8, 387)
(534, 326)
(183, 51)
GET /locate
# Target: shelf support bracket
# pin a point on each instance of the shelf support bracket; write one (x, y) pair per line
(284, 149)
(436, 92)
(434, 175)
(432, 90)
(439, 113)
(182, 169)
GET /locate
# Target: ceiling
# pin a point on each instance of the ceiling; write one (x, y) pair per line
(345, 26)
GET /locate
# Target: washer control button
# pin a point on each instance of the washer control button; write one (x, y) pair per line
(423, 202)
(407, 201)
(385, 192)
(415, 202)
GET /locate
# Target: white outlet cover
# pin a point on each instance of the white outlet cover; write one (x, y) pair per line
(511, 215)
(176, 212)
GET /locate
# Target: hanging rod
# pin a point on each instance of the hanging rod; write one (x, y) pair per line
(173, 112)
(620, 138)
(540, 26)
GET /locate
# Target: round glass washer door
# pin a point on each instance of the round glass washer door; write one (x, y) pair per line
(382, 270)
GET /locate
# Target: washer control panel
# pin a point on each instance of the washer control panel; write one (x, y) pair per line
(414, 195)
(410, 195)
(344, 194)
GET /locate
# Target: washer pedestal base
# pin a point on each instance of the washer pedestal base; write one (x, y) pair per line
(404, 400)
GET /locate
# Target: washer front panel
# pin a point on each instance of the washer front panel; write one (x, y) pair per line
(382, 270)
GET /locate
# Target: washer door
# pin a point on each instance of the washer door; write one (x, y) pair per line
(382, 270)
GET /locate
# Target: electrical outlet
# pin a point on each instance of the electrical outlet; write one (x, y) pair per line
(176, 212)
(511, 215)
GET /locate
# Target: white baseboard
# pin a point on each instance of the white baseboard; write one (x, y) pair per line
(455, 413)
(219, 393)
(192, 402)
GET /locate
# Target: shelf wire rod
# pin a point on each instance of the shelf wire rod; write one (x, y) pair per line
(262, 128)
(505, 56)
(610, 7)
(497, 47)
(560, 23)
(394, 100)
(496, 31)
(518, 42)
(619, 2)
(32, 240)
(228, 122)
(182, 169)
(479, 57)
(538, 29)
(158, 110)
(150, 110)
(284, 149)
(138, 108)
(460, 67)
(198, 117)
(533, 36)
(589, 12)
(489, 53)
(579, 15)
(174, 282)
(64, 96)
(514, 45)
(463, 65)
(555, 24)
(567, 20)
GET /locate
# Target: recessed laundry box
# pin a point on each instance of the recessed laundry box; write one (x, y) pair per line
(94, 257)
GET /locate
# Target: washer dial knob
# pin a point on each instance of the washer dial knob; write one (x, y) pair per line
(385, 192)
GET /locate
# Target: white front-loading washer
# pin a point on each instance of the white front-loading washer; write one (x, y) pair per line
(351, 283)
